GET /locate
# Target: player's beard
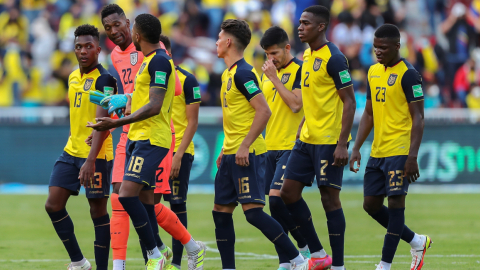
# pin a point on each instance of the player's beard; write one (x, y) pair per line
(137, 46)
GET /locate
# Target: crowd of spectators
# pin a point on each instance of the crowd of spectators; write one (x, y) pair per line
(439, 37)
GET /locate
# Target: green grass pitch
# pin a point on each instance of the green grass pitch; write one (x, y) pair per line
(28, 240)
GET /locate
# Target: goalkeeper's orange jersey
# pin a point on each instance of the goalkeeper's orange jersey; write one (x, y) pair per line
(83, 111)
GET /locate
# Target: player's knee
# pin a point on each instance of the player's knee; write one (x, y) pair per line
(286, 196)
(252, 215)
(330, 203)
(97, 211)
(369, 208)
(275, 202)
(51, 207)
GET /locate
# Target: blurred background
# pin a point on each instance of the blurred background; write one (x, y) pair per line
(440, 38)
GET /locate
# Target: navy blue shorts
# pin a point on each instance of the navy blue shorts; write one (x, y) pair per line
(141, 162)
(236, 184)
(275, 165)
(179, 186)
(309, 160)
(384, 176)
(67, 168)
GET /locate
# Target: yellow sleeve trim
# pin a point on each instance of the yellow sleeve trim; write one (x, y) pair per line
(193, 103)
(416, 100)
(345, 87)
(158, 87)
(254, 97)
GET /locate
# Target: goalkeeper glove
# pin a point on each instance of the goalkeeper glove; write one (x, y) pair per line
(96, 97)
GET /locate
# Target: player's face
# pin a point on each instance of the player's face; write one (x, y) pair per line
(278, 55)
(117, 28)
(86, 50)
(310, 27)
(385, 49)
(136, 38)
(222, 44)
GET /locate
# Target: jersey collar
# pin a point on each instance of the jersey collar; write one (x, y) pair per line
(91, 70)
(401, 59)
(322, 46)
(288, 64)
(157, 50)
(236, 63)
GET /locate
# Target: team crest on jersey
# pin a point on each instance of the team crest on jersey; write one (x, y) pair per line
(88, 84)
(285, 77)
(142, 68)
(133, 58)
(392, 79)
(229, 84)
(317, 64)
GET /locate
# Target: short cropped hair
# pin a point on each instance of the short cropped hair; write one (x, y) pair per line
(320, 12)
(87, 30)
(388, 31)
(149, 27)
(240, 30)
(111, 9)
(166, 41)
(274, 36)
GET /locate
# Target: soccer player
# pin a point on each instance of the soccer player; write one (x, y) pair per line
(81, 164)
(394, 109)
(321, 151)
(185, 119)
(281, 87)
(241, 162)
(127, 61)
(149, 137)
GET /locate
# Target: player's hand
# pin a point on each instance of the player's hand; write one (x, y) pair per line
(356, 156)
(269, 69)
(411, 171)
(89, 139)
(219, 159)
(176, 164)
(340, 156)
(87, 173)
(241, 158)
(103, 123)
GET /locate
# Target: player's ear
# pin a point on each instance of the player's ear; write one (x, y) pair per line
(127, 21)
(288, 48)
(397, 46)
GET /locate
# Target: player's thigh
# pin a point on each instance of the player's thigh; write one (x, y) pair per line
(374, 179)
(143, 164)
(270, 166)
(180, 184)
(65, 174)
(250, 187)
(225, 192)
(327, 174)
(100, 185)
(394, 170)
(279, 176)
(119, 162)
(300, 165)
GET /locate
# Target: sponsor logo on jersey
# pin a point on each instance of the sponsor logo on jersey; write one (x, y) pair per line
(317, 64)
(160, 77)
(285, 77)
(392, 79)
(345, 76)
(88, 84)
(133, 58)
(196, 93)
(108, 90)
(417, 90)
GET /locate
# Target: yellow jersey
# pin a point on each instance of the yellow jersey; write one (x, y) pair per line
(83, 111)
(324, 72)
(190, 95)
(240, 84)
(157, 70)
(283, 124)
(392, 88)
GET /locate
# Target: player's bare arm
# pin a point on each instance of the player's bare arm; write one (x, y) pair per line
(88, 168)
(293, 98)
(364, 128)
(341, 152)
(192, 117)
(411, 171)
(262, 114)
(299, 131)
(152, 108)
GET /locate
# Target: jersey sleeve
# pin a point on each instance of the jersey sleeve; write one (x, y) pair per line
(191, 88)
(106, 84)
(412, 85)
(247, 83)
(159, 69)
(337, 68)
(298, 79)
